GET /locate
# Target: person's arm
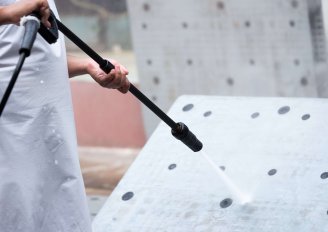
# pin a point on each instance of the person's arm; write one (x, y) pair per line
(116, 79)
(12, 14)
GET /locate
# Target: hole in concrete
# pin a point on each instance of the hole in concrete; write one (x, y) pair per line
(297, 62)
(189, 62)
(306, 117)
(154, 98)
(292, 23)
(185, 25)
(304, 81)
(255, 115)
(127, 196)
(324, 175)
(252, 62)
(220, 5)
(208, 113)
(188, 107)
(284, 110)
(230, 81)
(172, 166)
(144, 26)
(94, 198)
(226, 203)
(149, 62)
(156, 80)
(272, 172)
(247, 24)
(223, 168)
(146, 7)
(295, 3)
(94, 214)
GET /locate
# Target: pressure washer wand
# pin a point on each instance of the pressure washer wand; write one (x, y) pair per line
(31, 24)
(179, 130)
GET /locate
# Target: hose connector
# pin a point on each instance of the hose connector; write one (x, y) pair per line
(183, 133)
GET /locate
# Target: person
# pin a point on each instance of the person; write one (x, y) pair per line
(41, 186)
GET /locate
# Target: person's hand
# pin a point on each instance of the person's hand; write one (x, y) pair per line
(14, 12)
(116, 79)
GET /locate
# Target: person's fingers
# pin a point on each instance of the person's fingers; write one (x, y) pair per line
(125, 87)
(45, 14)
(124, 70)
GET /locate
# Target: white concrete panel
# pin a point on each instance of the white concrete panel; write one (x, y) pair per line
(219, 47)
(272, 150)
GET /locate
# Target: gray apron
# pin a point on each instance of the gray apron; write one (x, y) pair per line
(41, 186)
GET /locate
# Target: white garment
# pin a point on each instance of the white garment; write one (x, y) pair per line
(41, 186)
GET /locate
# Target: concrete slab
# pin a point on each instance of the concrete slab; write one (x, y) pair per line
(274, 155)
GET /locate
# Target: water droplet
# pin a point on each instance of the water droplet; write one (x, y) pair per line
(41, 82)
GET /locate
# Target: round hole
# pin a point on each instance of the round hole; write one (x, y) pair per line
(94, 214)
(251, 62)
(297, 62)
(156, 80)
(189, 62)
(226, 203)
(223, 168)
(294, 3)
(284, 110)
(304, 81)
(208, 113)
(292, 23)
(306, 117)
(172, 166)
(188, 107)
(149, 62)
(144, 26)
(146, 7)
(154, 98)
(247, 24)
(255, 115)
(220, 5)
(127, 196)
(230, 81)
(324, 175)
(185, 25)
(272, 172)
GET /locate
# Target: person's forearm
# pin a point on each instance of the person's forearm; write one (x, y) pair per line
(76, 66)
(4, 17)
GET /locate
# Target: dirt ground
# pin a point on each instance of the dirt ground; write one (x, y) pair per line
(102, 168)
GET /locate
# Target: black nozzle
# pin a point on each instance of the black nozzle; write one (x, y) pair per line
(183, 133)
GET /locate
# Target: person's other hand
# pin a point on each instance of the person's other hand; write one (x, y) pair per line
(16, 11)
(116, 79)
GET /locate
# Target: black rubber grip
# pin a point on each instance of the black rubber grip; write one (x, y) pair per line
(31, 28)
(187, 137)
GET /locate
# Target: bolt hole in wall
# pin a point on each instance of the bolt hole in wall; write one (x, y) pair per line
(292, 23)
(272, 172)
(127, 196)
(230, 81)
(304, 81)
(144, 26)
(172, 166)
(220, 5)
(146, 7)
(156, 80)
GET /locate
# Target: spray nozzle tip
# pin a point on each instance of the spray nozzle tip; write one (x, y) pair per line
(183, 133)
